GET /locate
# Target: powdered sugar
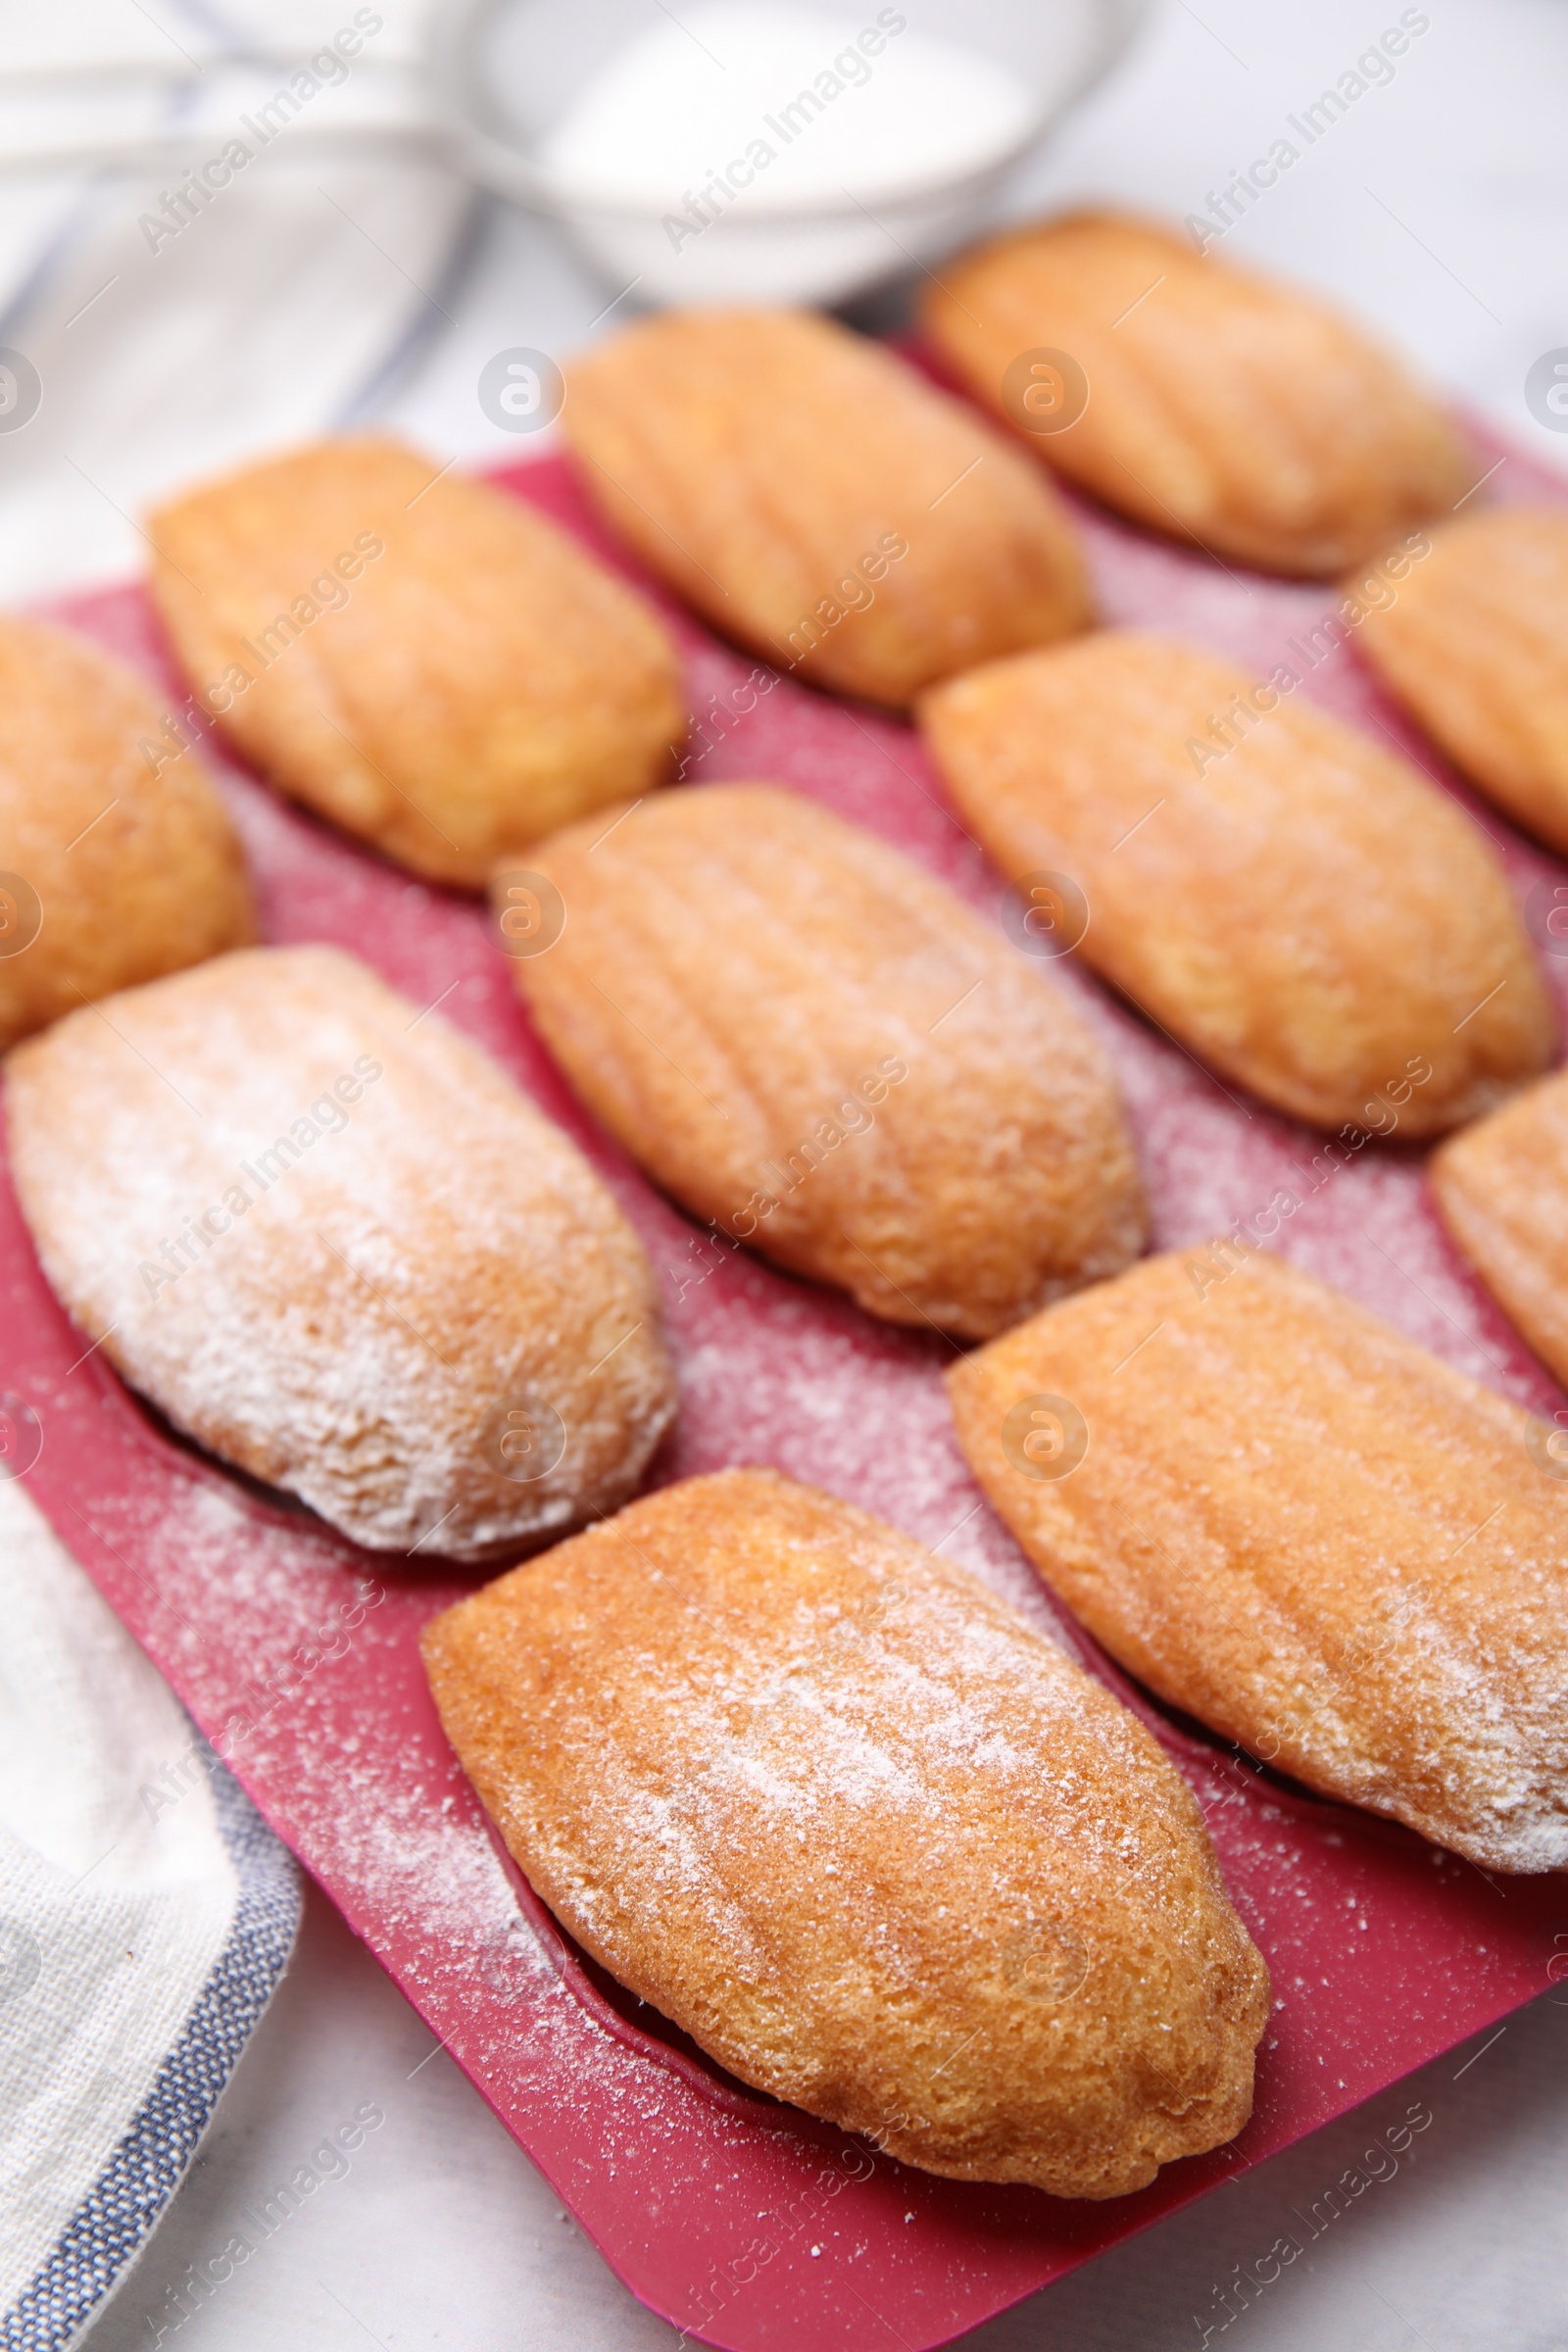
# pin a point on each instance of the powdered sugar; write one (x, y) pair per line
(327, 1237)
(772, 1370)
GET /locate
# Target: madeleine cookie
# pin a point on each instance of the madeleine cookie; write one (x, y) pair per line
(1304, 910)
(422, 659)
(118, 861)
(1502, 1186)
(1204, 400)
(819, 501)
(1474, 641)
(878, 1846)
(341, 1251)
(824, 1053)
(1303, 1529)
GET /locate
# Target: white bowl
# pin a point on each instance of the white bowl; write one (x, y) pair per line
(504, 72)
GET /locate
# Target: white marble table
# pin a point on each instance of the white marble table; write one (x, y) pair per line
(1437, 208)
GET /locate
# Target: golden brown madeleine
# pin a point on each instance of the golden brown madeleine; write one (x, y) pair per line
(424, 659)
(878, 1846)
(342, 1251)
(822, 1050)
(1302, 1527)
(118, 861)
(1222, 406)
(817, 500)
(1502, 1186)
(1302, 908)
(1474, 641)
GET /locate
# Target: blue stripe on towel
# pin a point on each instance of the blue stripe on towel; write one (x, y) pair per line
(112, 2223)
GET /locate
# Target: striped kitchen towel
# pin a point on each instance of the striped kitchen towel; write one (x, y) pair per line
(146, 1916)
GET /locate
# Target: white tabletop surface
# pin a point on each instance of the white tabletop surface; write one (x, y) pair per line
(1436, 208)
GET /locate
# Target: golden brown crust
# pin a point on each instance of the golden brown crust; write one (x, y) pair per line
(1502, 1186)
(335, 1243)
(1223, 407)
(1303, 909)
(129, 863)
(1474, 644)
(820, 1050)
(422, 659)
(875, 1844)
(1303, 1529)
(779, 470)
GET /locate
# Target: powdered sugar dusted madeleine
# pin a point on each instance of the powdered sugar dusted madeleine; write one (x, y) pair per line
(1222, 406)
(424, 659)
(1303, 1529)
(341, 1251)
(817, 500)
(822, 1051)
(1474, 642)
(1302, 908)
(1502, 1186)
(114, 867)
(879, 1847)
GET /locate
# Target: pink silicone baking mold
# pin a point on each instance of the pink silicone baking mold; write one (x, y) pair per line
(741, 2221)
